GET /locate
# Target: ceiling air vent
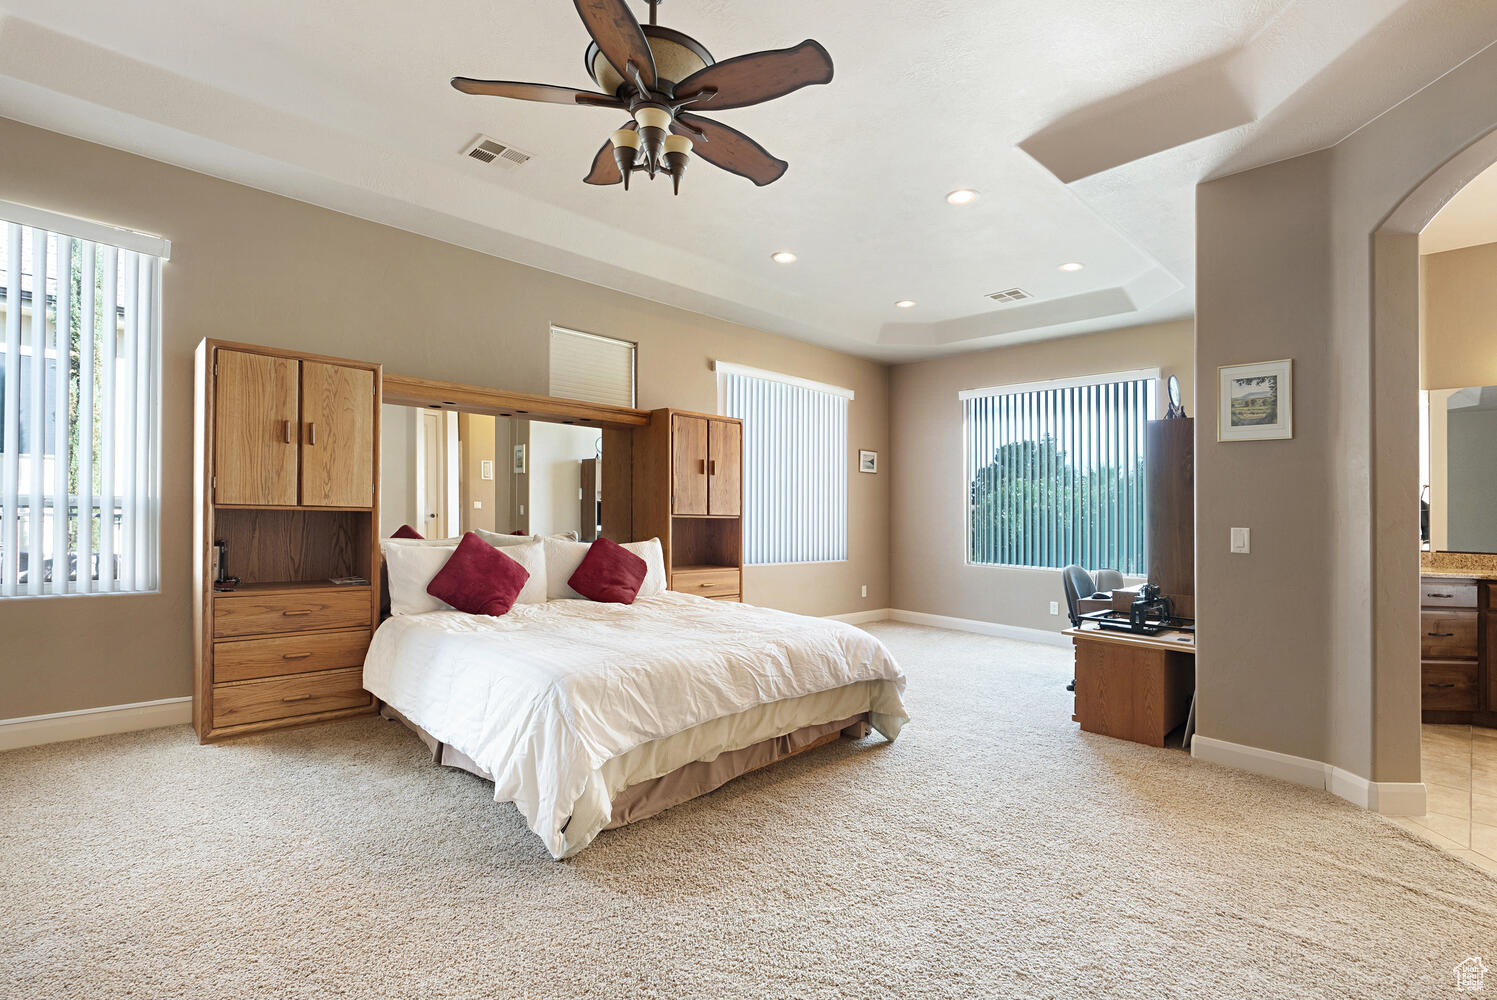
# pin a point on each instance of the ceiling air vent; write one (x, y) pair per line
(1010, 295)
(486, 150)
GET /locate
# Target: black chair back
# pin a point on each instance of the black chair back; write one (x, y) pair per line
(1078, 584)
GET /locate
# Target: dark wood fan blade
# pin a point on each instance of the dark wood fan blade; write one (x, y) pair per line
(758, 77)
(534, 92)
(605, 168)
(735, 152)
(619, 37)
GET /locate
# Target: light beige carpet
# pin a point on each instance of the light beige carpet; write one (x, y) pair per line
(993, 851)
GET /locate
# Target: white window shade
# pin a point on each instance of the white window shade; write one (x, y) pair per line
(80, 342)
(794, 464)
(592, 368)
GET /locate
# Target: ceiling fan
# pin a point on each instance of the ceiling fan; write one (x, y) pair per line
(655, 74)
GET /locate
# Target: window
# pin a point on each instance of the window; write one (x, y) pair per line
(592, 368)
(80, 359)
(794, 464)
(1055, 472)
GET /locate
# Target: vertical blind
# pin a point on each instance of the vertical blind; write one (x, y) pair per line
(592, 368)
(794, 466)
(79, 372)
(1055, 475)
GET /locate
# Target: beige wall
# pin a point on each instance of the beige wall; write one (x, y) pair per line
(1459, 332)
(928, 563)
(255, 267)
(1309, 645)
(475, 435)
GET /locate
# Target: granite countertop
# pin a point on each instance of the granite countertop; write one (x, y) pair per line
(1458, 565)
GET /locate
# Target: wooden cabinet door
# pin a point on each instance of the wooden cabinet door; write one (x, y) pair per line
(724, 467)
(337, 448)
(255, 422)
(688, 464)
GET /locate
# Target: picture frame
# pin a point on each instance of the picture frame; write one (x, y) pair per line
(519, 467)
(868, 461)
(486, 468)
(1255, 402)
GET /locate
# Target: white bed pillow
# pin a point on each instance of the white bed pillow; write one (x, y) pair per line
(497, 540)
(411, 564)
(563, 558)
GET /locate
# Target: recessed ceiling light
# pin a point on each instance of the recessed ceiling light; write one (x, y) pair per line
(783, 257)
(1072, 266)
(962, 196)
(906, 303)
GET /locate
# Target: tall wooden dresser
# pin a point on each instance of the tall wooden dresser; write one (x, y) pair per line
(287, 473)
(688, 492)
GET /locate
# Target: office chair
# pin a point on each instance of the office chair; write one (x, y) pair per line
(1078, 583)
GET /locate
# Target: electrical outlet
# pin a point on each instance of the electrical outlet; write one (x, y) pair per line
(1242, 540)
(1055, 607)
(865, 590)
(522, 510)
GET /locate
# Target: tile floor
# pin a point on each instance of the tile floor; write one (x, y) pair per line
(1460, 779)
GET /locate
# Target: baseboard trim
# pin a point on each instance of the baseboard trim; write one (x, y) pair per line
(35, 730)
(863, 617)
(1391, 798)
(981, 628)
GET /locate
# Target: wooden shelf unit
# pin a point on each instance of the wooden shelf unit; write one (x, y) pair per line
(286, 473)
(688, 492)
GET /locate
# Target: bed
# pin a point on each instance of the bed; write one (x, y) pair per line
(589, 715)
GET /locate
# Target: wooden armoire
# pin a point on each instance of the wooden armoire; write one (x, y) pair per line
(688, 492)
(287, 474)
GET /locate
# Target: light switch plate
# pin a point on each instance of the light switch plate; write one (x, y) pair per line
(478, 505)
(1241, 540)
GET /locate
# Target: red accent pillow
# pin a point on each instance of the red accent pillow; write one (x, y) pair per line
(479, 579)
(609, 573)
(406, 531)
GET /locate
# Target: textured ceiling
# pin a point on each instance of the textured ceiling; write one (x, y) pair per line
(1086, 125)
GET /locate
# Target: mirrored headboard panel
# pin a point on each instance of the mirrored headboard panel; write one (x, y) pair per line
(457, 457)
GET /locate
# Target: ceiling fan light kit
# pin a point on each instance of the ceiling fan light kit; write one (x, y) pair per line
(655, 74)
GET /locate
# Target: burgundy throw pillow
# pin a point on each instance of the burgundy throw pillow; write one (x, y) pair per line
(479, 579)
(406, 531)
(610, 573)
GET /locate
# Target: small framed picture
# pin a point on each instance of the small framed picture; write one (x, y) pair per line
(519, 460)
(867, 461)
(486, 468)
(1256, 402)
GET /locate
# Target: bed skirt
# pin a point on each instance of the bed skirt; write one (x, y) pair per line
(647, 798)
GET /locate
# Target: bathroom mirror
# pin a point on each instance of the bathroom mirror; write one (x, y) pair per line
(1458, 463)
(445, 471)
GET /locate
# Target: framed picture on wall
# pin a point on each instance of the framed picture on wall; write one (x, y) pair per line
(867, 461)
(486, 469)
(1256, 402)
(519, 468)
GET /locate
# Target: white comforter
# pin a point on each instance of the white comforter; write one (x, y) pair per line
(544, 696)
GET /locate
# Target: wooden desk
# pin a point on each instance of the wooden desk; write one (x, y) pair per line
(1133, 687)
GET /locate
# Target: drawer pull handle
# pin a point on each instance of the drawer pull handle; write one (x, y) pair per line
(296, 697)
(286, 430)
(1443, 597)
(1441, 635)
(295, 656)
(311, 432)
(295, 614)
(1442, 685)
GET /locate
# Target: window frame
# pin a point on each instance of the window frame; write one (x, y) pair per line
(147, 479)
(725, 368)
(1155, 374)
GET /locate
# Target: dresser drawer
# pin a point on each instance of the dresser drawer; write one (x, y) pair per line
(285, 697)
(266, 615)
(708, 582)
(244, 659)
(1448, 635)
(1448, 685)
(1437, 593)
